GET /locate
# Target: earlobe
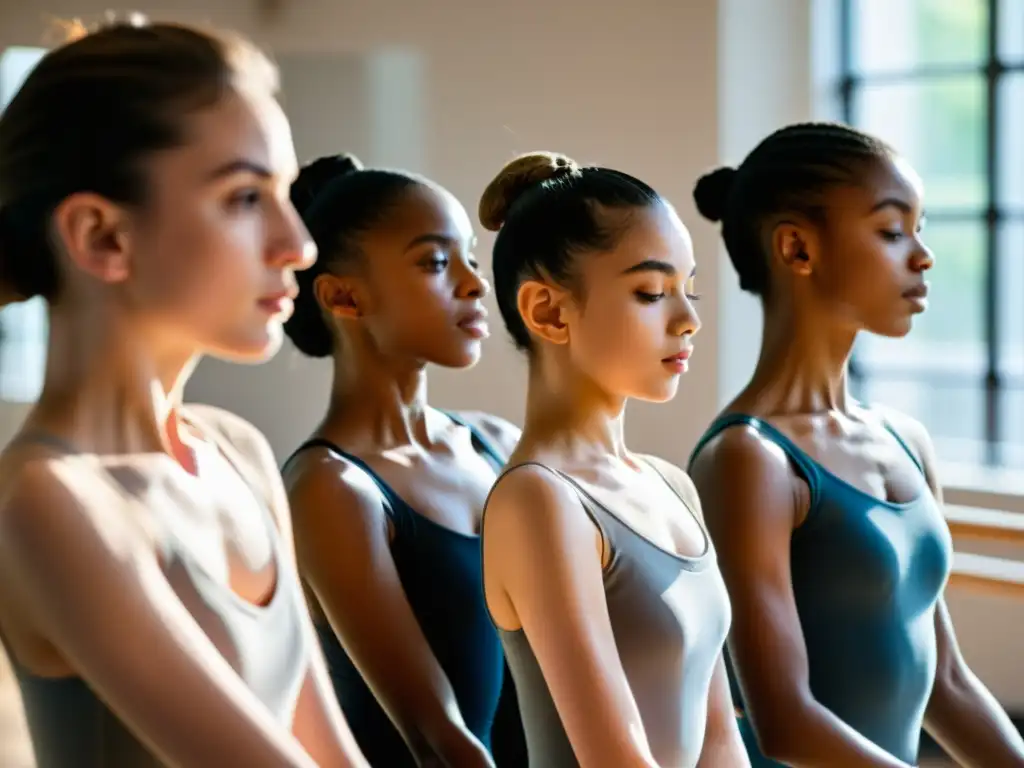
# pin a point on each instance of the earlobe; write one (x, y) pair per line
(341, 297)
(541, 307)
(94, 234)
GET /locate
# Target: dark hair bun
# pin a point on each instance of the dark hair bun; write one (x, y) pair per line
(318, 174)
(515, 178)
(711, 194)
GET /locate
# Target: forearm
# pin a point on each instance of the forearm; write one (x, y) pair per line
(964, 717)
(724, 748)
(451, 747)
(813, 737)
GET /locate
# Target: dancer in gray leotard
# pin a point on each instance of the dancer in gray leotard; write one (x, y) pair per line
(597, 567)
(149, 599)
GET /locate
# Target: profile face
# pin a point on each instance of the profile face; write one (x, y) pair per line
(218, 239)
(424, 282)
(874, 264)
(632, 332)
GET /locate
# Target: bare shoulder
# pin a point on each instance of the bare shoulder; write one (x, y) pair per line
(50, 503)
(743, 474)
(677, 478)
(241, 434)
(533, 506)
(503, 433)
(323, 486)
(910, 430)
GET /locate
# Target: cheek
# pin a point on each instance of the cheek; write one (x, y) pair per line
(204, 270)
(621, 332)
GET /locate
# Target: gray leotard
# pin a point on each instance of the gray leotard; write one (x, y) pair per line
(670, 616)
(267, 645)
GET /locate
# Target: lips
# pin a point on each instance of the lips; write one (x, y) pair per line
(679, 357)
(474, 323)
(919, 291)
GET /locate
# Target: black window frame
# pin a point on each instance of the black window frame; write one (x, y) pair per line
(992, 215)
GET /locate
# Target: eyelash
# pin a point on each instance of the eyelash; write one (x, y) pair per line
(436, 264)
(245, 198)
(651, 298)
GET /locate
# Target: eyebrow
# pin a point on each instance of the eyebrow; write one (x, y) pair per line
(435, 238)
(654, 265)
(240, 166)
(892, 202)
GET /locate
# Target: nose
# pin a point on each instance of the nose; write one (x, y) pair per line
(472, 285)
(922, 259)
(293, 247)
(685, 321)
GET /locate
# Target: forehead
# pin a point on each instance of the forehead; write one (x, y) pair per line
(248, 127)
(426, 209)
(892, 179)
(654, 232)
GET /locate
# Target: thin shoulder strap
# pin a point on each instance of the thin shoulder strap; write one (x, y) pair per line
(804, 465)
(392, 501)
(484, 445)
(903, 444)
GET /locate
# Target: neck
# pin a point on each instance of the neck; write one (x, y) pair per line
(377, 402)
(801, 369)
(567, 410)
(106, 390)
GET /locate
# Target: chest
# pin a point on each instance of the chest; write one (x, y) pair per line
(447, 489)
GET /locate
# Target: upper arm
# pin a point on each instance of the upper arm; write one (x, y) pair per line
(503, 434)
(82, 570)
(751, 505)
(541, 555)
(345, 555)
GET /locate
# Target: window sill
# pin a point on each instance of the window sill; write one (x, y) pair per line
(970, 485)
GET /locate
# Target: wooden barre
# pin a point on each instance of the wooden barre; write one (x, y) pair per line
(992, 575)
(989, 524)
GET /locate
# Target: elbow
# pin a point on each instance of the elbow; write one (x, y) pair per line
(783, 738)
(446, 745)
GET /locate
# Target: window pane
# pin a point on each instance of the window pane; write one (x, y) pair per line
(1011, 308)
(1010, 149)
(939, 125)
(950, 336)
(23, 338)
(899, 35)
(1011, 450)
(955, 416)
(1011, 31)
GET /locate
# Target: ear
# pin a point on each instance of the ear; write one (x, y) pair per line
(541, 306)
(795, 247)
(343, 297)
(96, 235)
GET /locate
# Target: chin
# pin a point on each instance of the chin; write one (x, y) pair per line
(659, 394)
(465, 356)
(896, 329)
(253, 349)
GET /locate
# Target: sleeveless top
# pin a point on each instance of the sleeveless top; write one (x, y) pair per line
(867, 575)
(670, 615)
(71, 726)
(441, 575)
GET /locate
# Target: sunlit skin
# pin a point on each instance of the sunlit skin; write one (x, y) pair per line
(205, 265)
(624, 329)
(862, 268)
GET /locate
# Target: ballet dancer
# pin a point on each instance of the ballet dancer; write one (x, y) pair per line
(149, 599)
(388, 494)
(597, 568)
(826, 512)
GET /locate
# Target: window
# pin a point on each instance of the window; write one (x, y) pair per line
(22, 326)
(943, 81)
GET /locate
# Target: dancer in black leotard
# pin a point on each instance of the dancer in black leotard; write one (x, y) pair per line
(148, 594)
(387, 496)
(827, 513)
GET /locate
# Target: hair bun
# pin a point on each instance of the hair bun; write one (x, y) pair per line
(515, 178)
(712, 192)
(316, 175)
